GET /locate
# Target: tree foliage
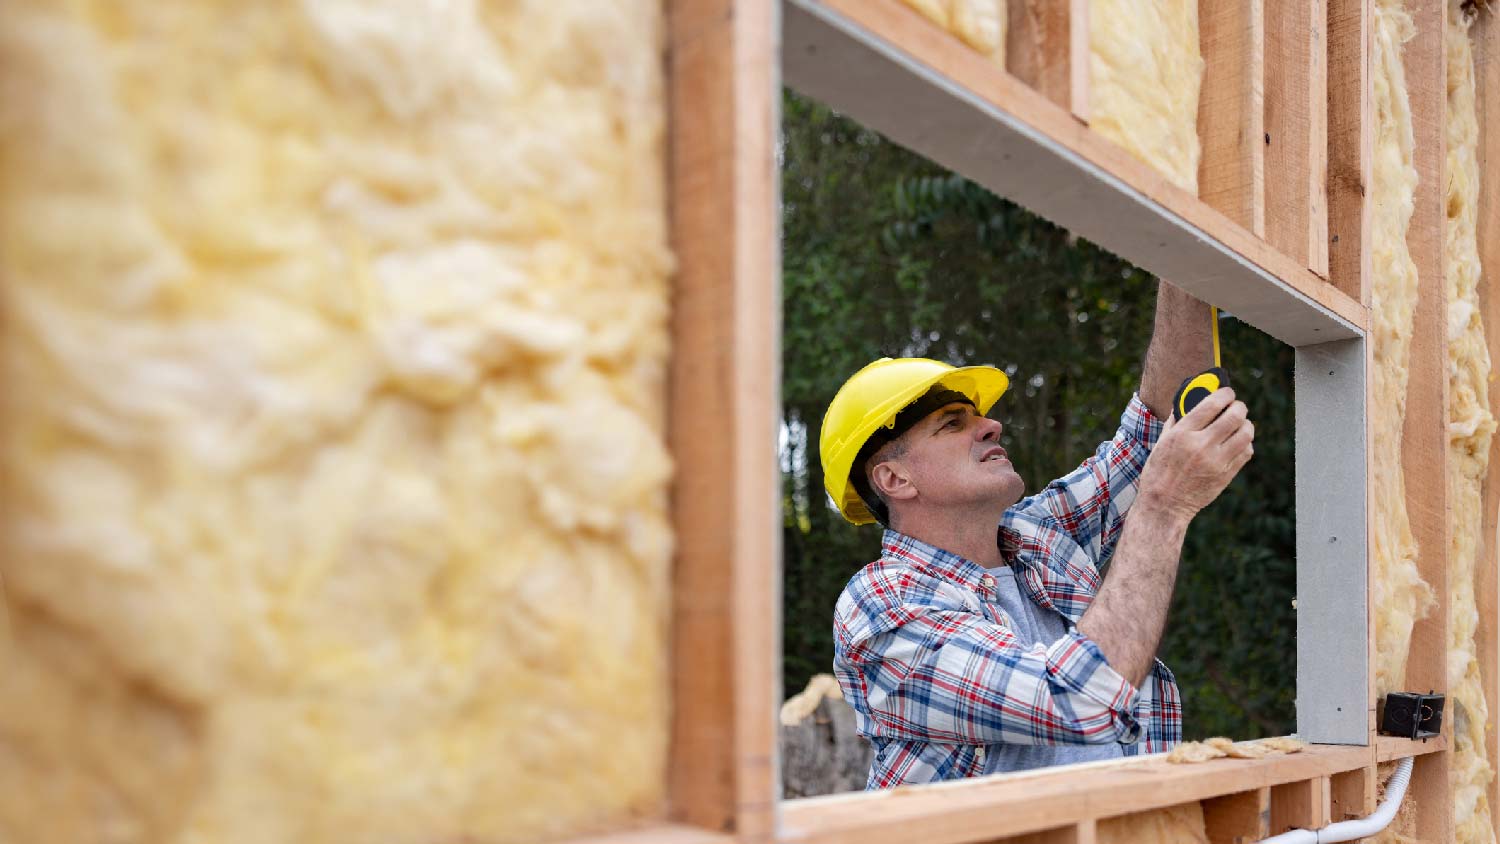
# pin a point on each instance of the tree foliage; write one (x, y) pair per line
(887, 254)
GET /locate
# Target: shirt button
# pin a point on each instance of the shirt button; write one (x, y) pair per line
(987, 582)
(979, 754)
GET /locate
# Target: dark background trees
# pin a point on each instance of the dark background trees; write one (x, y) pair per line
(887, 254)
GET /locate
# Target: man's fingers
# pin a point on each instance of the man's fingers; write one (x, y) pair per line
(1241, 439)
(1236, 427)
(1241, 459)
(1228, 422)
(1201, 416)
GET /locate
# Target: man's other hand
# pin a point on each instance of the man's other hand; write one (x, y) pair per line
(1197, 456)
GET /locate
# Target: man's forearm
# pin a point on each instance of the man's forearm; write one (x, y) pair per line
(1128, 615)
(1181, 346)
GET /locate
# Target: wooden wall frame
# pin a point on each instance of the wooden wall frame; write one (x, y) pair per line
(725, 60)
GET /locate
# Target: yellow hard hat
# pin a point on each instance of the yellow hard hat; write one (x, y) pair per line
(872, 398)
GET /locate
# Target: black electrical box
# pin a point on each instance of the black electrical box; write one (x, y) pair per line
(1412, 715)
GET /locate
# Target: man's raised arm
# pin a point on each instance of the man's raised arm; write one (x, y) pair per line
(1191, 464)
(1181, 346)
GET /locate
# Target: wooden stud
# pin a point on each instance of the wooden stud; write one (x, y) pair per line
(1392, 748)
(1299, 805)
(1041, 50)
(1351, 140)
(1238, 818)
(1317, 129)
(724, 93)
(1486, 36)
(1425, 440)
(1231, 110)
(1351, 794)
(1080, 54)
(1296, 130)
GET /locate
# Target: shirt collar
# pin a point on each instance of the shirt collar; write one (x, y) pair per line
(944, 564)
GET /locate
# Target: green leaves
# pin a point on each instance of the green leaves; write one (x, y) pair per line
(885, 253)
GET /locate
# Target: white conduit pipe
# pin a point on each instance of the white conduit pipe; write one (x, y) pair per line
(1395, 789)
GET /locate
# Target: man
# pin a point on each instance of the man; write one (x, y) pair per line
(982, 640)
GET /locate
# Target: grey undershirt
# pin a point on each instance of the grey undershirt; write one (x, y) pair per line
(1034, 623)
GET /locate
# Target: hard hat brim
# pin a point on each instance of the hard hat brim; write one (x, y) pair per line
(983, 385)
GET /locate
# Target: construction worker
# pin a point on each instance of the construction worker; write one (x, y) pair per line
(982, 640)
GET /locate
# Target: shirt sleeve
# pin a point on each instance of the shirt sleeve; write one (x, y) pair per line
(1090, 502)
(937, 675)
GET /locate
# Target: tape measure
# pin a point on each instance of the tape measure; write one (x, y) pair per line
(1201, 386)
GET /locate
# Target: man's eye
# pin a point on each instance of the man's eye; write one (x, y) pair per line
(953, 423)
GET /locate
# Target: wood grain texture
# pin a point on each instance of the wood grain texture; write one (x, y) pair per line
(1425, 439)
(835, 46)
(1039, 48)
(1391, 748)
(723, 89)
(1238, 818)
(1317, 127)
(1079, 56)
(1486, 36)
(1231, 111)
(978, 810)
(1299, 805)
(1084, 832)
(1351, 794)
(1296, 130)
(1351, 140)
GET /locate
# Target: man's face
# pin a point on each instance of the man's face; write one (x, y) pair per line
(953, 457)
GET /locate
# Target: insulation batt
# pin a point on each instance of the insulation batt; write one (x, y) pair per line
(332, 449)
(1145, 75)
(1182, 824)
(978, 23)
(1470, 427)
(1401, 596)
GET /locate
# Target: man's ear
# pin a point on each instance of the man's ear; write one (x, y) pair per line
(890, 479)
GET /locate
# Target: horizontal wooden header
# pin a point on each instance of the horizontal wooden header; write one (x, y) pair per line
(891, 69)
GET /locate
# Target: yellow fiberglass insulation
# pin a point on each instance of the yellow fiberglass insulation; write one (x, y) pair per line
(1401, 596)
(1182, 824)
(1470, 427)
(979, 23)
(1144, 78)
(331, 446)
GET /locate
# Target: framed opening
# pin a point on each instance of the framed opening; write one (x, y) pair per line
(888, 254)
(830, 54)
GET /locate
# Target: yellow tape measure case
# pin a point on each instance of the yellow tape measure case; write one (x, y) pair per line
(1198, 388)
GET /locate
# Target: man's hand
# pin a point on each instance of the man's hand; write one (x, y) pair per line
(1196, 457)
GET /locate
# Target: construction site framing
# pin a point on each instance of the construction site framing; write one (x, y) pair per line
(1278, 236)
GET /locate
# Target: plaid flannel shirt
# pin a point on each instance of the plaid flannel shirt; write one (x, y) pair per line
(932, 668)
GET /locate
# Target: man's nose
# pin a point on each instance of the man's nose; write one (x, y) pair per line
(987, 429)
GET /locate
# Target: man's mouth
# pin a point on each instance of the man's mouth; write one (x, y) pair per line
(996, 453)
